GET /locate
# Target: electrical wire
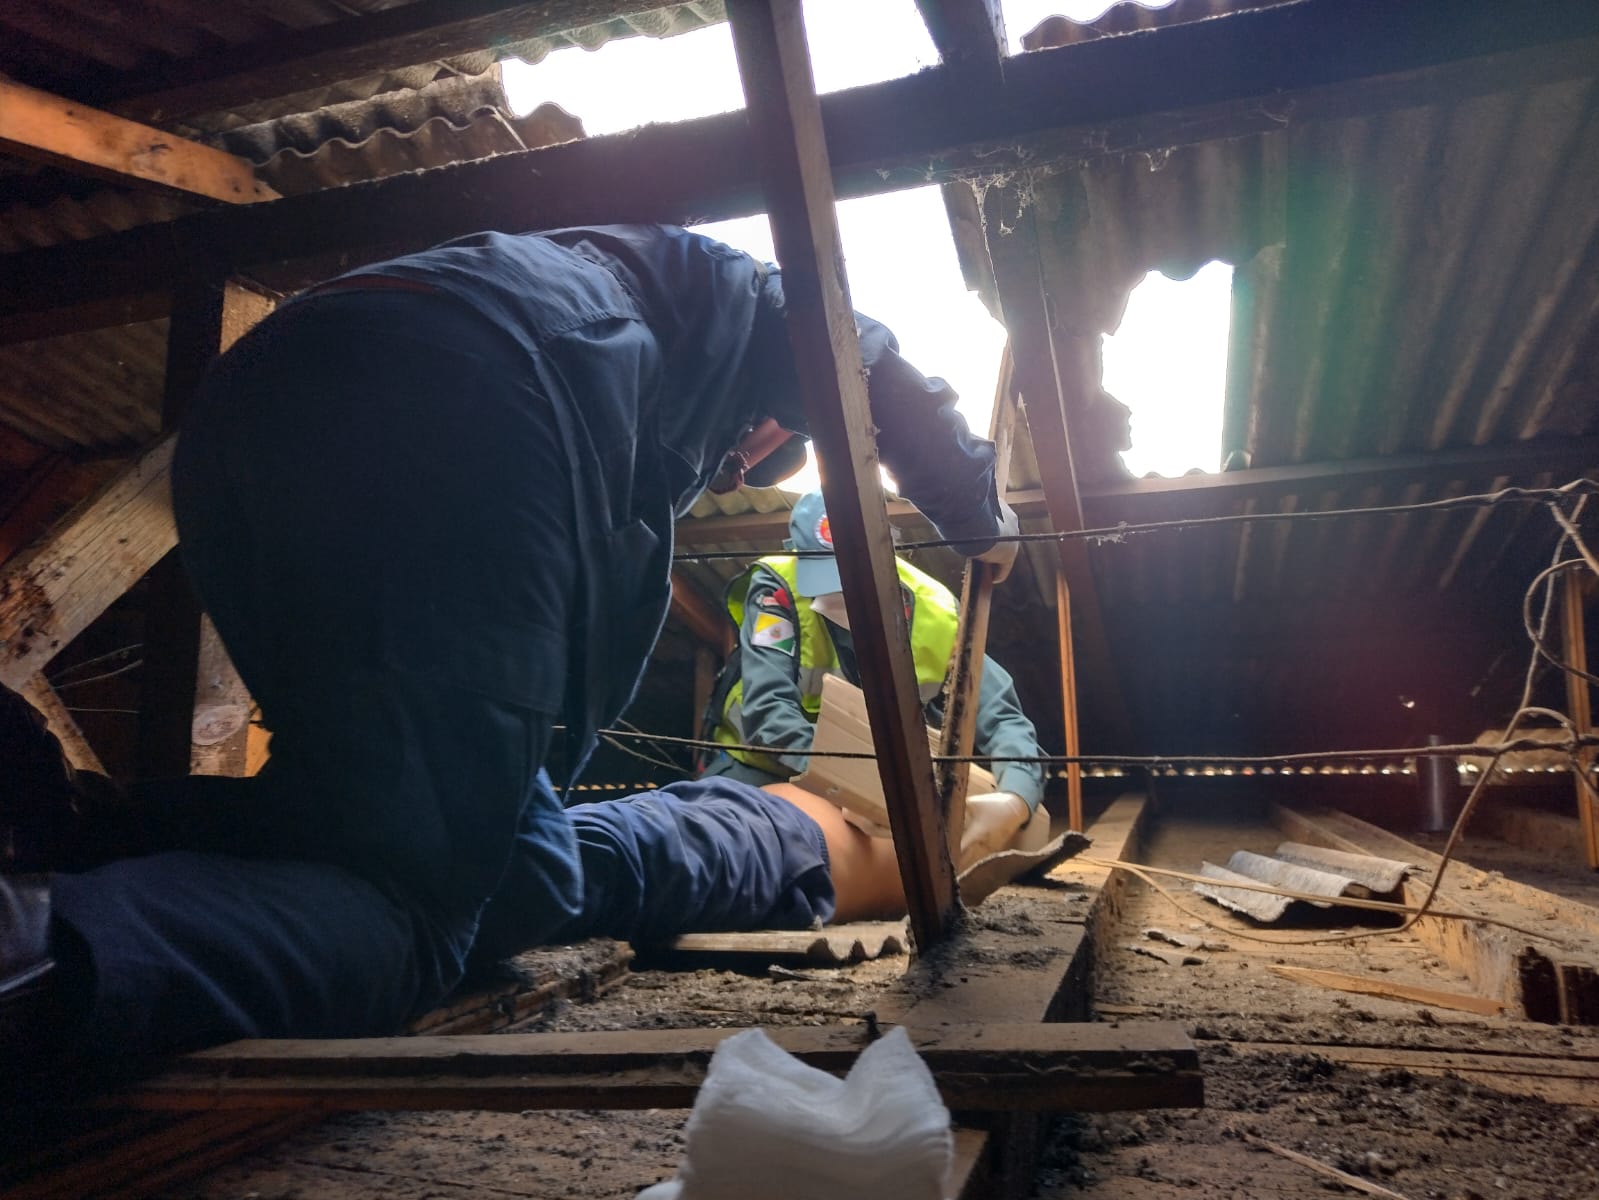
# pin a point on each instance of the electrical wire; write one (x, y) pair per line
(1123, 530)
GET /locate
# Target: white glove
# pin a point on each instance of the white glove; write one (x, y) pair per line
(1003, 554)
(992, 821)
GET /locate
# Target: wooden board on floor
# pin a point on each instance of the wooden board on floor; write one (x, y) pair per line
(1389, 989)
(991, 1067)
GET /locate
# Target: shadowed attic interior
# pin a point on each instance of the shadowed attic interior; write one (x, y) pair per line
(1414, 319)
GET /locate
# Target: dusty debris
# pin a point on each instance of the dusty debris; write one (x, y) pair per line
(1172, 958)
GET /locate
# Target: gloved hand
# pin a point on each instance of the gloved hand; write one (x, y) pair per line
(1003, 554)
(992, 820)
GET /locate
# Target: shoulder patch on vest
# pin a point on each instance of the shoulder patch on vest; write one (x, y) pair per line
(774, 631)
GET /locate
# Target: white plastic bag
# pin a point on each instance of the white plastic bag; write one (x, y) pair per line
(767, 1125)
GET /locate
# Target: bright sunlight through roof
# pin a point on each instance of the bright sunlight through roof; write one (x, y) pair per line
(902, 268)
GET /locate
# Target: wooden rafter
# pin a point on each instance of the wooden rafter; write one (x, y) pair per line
(1033, 1067)
(774, 63)
(52, 591)
(1245, 72)
(1054, 373)
(195, 713)
(1108, 501)
(43, 128)
(959, 734)
(705, 620)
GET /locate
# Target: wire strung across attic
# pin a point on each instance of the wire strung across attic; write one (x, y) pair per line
(1580, 489)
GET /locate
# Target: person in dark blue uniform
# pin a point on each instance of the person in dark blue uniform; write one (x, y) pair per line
(429, 506)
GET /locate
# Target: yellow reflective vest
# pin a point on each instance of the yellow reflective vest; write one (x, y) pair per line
(934, 616)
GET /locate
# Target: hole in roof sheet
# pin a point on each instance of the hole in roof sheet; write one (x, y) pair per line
(635, 81)
(1167, 361)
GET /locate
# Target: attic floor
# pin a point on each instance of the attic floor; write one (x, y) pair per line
(1424, 1137)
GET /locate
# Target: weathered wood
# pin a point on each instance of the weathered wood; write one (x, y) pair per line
(690, 608)
(1555, 834)
(1068, 695)
(958, 737)
(38, 692)
(843, 726)
(1054, 372)
(1327, 1171)
(997, 1066)
(1106, 502)
(785, 119)
(1390, 989)
(1166, 87)
(969, 35)
(1578, 708)
(43, 128)
(51, 592)
(1549, 982)
(195, 711)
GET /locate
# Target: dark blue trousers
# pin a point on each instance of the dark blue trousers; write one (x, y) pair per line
(375, 509)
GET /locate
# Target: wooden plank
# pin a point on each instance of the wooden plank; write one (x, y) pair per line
(1554, 981)
(855, 784)
(1171, 86)
(195, 710)
(51, 592)
(1054, 373)
(37, 126)
(958, 737)
(997, 1066)
(1575, 641)
(785, 119)
(706, 621)
(38, 692)
(1068, 695)
(1106, 502)
(300, 59)
(1343, 1178)
(969, 35)
(1390, 989)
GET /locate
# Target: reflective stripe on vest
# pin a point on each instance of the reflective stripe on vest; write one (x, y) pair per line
(934, 619)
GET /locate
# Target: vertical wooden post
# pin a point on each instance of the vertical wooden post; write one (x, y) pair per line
(1581, 712)
(959, 734)
(1068, 695)
(196, 712)
(786, 136)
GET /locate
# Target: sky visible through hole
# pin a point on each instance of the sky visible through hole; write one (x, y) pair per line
(901, 260)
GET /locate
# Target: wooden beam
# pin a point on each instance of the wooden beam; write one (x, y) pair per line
(1575, 642)
(1068, 694)
(699, 616)
(195, 713)
(1535, 979)
(1565, 458)
(37, 126)
(1110, 501)
(1390, 989)
(1055, 373)
(298, 60)
(785, 119)
(964, 686)
(969, 35)
(51, 592)
(1009, 1067)
(1245, 72)
(38, 692)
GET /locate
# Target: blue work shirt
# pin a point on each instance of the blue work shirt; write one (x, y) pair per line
(659, 347)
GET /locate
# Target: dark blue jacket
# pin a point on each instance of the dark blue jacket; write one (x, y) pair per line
(658, 347)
